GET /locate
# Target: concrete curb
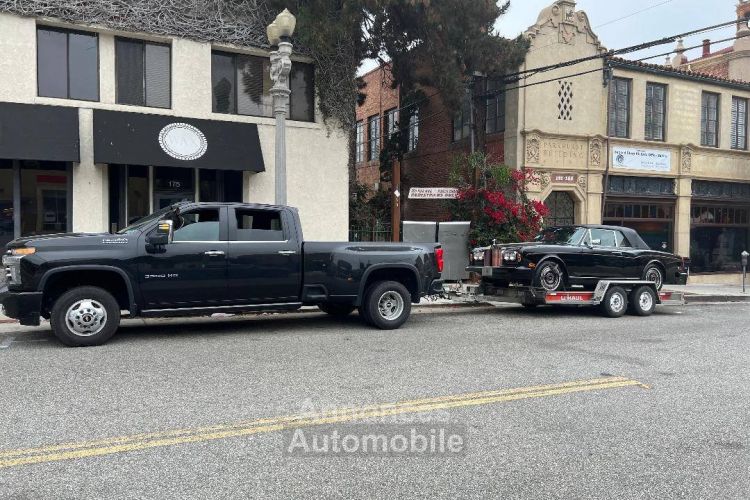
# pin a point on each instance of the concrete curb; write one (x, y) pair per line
(702, 299)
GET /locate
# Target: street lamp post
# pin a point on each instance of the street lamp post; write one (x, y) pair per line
(279, 33)
(744, 256)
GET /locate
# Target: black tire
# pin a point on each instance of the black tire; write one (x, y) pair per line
(550, 276)
(85, 316)
(395, 300)
(338, 310)
(654, 273)
(615, 302)
(642, 301)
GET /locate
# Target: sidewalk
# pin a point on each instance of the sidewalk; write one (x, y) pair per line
(712, 293)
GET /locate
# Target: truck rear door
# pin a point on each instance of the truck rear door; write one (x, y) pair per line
(264, 259)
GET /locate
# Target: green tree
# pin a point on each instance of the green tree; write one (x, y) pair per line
(430, 43)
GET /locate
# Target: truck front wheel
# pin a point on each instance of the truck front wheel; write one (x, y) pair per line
(387, 305)
(85, 316)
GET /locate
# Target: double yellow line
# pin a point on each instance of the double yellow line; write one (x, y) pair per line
(110, 446)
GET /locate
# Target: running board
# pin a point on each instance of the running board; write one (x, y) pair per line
(234, 308)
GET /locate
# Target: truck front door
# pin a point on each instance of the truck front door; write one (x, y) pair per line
(264, 260)
(190, 271)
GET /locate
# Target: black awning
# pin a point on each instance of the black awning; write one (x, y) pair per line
(36, 132)
(172, 141)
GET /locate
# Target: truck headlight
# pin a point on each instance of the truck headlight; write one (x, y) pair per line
(12, 263)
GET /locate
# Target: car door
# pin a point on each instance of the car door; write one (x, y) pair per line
(191, 270)
(607, 260)
(264, 261)
(629, 257)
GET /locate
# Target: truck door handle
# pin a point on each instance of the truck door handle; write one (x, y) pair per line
(214, 253)
(287, 252)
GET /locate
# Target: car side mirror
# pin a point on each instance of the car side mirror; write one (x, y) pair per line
(162, 234)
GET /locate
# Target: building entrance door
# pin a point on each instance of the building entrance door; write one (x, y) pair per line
(562, 209)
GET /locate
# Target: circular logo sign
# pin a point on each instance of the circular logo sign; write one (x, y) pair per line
(620, 159)
(183, 141)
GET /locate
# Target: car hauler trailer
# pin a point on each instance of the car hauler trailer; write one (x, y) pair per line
(614, 297)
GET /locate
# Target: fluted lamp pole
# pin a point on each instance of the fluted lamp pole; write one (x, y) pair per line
(279, 33)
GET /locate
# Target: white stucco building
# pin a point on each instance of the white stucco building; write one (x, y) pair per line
(100, 126)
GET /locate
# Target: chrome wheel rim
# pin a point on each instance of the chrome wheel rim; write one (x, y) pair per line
(616, 302)
(654, 275)
(86, 317)
(390, 305)
(551, 277)
(646, 301)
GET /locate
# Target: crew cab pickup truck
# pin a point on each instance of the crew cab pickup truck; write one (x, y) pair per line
(203, 258)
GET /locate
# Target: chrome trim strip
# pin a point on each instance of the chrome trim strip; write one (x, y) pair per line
(250, 306)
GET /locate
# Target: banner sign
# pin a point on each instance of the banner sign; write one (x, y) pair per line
(654, 160)
(434, 193)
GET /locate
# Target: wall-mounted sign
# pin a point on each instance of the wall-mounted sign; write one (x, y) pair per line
(433, 193)
(654, 160)
(182, 141)
(564, 178)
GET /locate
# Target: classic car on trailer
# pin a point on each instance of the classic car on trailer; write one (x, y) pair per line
(605, 266)
(577, 257)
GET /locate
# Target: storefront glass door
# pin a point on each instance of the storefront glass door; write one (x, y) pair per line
(6, 202)
(172, 185)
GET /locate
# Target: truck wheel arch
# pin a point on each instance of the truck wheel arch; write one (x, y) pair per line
(52, 274)
(406, 274)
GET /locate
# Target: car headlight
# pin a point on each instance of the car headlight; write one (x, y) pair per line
(478, 255)
(512, 256)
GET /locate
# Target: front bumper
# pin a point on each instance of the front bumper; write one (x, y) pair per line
(521, 275)
(26, 307)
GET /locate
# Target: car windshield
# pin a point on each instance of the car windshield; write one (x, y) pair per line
(140, 223)
(561, 235)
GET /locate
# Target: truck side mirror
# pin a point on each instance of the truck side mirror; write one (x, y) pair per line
(162, 234)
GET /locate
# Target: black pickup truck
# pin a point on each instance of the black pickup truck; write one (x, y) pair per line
(203, 258)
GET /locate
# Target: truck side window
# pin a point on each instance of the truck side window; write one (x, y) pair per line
(259, 225)
(197, 225)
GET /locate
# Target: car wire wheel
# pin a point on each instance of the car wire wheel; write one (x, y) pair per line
(654, 274)
(551, 276)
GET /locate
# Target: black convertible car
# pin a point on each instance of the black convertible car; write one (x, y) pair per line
(577, 257)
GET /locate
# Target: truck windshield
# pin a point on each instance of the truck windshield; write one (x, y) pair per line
(140, 223)
(561, 235)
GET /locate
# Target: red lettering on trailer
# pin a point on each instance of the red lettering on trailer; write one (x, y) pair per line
(570, 297)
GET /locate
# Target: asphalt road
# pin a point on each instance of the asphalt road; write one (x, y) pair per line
(631, 408)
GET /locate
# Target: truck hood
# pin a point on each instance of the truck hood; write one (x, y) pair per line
(64, 239)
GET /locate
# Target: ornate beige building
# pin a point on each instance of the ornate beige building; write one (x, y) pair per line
(669, 143)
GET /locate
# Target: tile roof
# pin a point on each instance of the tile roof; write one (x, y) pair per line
(681, 71)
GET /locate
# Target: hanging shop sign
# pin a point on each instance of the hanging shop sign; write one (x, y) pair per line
(433, 193)
(654, 160)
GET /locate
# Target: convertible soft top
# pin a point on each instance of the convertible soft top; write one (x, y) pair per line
(631, 234)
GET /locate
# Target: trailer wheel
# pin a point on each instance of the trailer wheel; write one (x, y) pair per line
(615, 302)
(387, 305)
(642, 301)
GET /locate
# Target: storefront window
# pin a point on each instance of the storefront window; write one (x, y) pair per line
(653, 221)
(6, 202)
(220, 185)
(718, 236)
(44, 197)
(138, 203)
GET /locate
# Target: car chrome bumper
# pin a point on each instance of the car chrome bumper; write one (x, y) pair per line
(26, 307)
(522, 275)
